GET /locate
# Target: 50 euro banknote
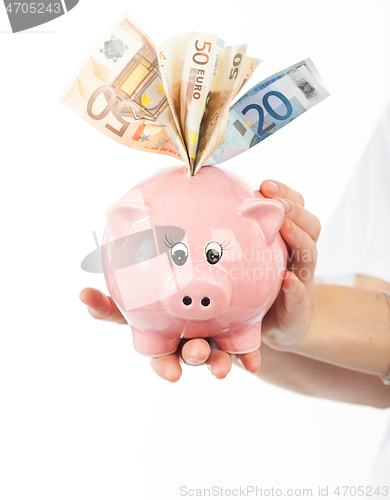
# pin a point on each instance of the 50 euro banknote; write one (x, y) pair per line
(269, 106)
(176, 100)
(119, 91)
(201, 79)
(173, 100)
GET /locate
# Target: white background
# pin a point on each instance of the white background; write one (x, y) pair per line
(82, 415)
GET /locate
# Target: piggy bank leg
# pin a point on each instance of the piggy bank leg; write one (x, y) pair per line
(153, 345)
(240, 341)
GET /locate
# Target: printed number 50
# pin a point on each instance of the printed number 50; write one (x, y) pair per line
(112, 103)
(236, 62)
(197, 55)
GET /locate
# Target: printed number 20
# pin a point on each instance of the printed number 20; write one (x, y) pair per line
(259, 109)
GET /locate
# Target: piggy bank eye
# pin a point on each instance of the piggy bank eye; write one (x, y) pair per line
(213, 252)
(179, 253)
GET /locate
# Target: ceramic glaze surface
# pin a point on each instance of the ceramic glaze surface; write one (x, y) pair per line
(194, 257)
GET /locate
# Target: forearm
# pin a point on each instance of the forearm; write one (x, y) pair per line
(350, 328)
(315, 378)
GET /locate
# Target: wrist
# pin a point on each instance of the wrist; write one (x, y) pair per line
(349, 327)
(310, 331)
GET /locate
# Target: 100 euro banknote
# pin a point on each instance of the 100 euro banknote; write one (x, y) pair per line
(269, 106)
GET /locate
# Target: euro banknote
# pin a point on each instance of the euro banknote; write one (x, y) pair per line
(201, 80)
(159, 100)
(176, 99)
(229, 80)
(171, 57)
(119, 91)
(269, 106)
(200, 68)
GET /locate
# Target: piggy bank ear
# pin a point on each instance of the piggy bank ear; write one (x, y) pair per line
(122, 216)
(268, 214)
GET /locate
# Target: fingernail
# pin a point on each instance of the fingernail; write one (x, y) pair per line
(294, 281)
(193, 362)
(286, 205)
(293, 228)
(272, 187)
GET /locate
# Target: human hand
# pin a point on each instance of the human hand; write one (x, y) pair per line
(192, 352)
(284, 325)
(287, 323)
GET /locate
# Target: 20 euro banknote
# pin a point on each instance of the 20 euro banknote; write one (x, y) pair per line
(269, 106)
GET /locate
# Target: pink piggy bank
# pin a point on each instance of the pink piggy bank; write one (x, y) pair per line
(194, 257)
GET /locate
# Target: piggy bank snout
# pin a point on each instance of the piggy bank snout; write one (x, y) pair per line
(200, 300)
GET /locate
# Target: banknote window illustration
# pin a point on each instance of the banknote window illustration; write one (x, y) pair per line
(140, 83)
(131, 81)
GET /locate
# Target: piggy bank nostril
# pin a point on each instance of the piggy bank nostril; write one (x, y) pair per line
(187, 300)
(205, 301)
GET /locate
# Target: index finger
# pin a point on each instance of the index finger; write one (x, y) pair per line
(272, 189)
